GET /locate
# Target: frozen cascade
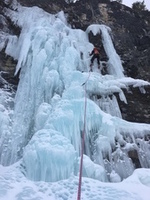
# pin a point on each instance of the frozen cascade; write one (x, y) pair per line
(114, 63)
(108, 105)
(45, 126)
(6, 113)
(53, 159)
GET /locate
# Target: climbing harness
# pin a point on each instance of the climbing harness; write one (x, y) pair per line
(82, 140)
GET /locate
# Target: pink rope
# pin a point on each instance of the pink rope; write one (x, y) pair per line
(82, 144)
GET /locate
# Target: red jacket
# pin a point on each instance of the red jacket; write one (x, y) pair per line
(95, 51)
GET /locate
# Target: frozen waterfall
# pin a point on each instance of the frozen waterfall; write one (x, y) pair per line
(43, 128)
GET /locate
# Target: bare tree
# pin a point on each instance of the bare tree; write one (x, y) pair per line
(139, 6)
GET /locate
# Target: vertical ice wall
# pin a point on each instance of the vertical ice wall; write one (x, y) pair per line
(48, 117)
(114, 65)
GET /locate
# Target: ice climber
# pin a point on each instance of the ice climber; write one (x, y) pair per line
(96, 55)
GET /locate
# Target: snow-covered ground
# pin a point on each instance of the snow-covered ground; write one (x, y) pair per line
(14, 186)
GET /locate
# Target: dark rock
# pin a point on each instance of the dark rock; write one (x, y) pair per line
(7, 68)
(135, 158)
(137, 108)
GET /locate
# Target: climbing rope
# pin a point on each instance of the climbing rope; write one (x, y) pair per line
(82, 141)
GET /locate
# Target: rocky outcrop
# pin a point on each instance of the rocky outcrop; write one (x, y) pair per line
(7, 63)
(137, 108)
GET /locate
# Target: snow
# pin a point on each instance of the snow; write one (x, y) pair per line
(14, 185)
(41, 127)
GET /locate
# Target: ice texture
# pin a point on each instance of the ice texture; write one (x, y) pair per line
(41, 128)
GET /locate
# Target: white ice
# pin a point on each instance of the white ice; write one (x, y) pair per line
(41, 128)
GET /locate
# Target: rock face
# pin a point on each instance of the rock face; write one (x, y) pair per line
(130, 33)
(7, 63)
(137, 109)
